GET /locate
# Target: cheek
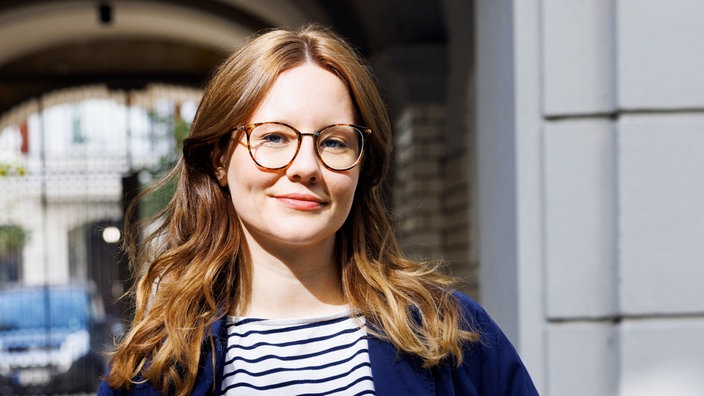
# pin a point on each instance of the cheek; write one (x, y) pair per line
(345, 190)
(242, 173)
(242, 183)
(238, 160)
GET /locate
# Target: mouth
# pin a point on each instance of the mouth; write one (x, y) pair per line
(304, 202)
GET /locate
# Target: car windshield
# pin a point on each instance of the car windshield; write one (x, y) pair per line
(22, 309)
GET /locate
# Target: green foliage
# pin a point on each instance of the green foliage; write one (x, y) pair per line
(11, 169)
(154, 202)
(11, 237)
(178, 129)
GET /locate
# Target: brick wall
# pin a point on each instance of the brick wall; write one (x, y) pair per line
(431, 193)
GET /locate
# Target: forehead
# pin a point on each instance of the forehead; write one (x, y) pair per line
(306, 96)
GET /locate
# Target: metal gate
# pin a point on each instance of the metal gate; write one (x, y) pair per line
(69, 162)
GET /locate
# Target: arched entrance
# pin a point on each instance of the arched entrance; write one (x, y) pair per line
(125, 45)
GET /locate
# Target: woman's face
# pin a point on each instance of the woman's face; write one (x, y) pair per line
(306, 203)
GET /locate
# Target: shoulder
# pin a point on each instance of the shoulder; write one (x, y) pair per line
(106, 390)
(140, 389)
(491, 365)
(204, 380)
(477, 319)
(470, 306)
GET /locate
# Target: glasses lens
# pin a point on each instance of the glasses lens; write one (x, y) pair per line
(340, 146)
(273, 145)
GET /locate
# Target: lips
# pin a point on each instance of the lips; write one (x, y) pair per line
(301, 201)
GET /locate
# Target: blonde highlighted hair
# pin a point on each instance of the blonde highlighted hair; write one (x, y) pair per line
(193, 268)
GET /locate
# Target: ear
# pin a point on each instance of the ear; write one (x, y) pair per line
(219, 163)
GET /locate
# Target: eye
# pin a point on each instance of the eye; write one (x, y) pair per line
(334, 143)
(273, 139)
(338, 139)
(272, 136)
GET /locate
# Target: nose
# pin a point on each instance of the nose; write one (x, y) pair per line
(306, 166)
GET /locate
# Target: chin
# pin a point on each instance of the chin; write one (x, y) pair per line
(301, 240)
(302, 236)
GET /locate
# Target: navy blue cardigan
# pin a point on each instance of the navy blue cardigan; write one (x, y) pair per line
(490, 367)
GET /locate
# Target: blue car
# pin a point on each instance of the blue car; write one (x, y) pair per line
(53, 339)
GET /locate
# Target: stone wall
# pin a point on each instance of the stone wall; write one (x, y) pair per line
(591, 158)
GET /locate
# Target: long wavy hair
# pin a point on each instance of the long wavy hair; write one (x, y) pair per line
(193, 267)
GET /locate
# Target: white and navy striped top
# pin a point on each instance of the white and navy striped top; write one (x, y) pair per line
(324, 355)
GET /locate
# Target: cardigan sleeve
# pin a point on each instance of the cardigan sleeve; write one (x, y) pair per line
(490, 366)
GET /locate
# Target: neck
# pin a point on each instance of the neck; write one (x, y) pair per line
(293, 281)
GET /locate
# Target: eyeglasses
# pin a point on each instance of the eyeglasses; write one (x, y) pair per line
(274, 145)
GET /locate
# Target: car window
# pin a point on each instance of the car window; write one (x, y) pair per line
(28, 308)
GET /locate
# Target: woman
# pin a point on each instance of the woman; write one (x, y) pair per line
(274, 268)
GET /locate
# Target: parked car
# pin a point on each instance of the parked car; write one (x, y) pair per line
(53, 339)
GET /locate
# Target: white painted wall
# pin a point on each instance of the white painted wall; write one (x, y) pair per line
(619, 175)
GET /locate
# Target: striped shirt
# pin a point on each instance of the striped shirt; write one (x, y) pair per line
(324, 355)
